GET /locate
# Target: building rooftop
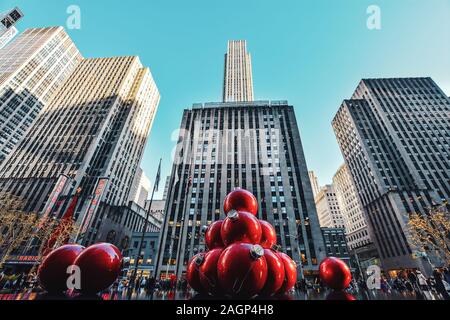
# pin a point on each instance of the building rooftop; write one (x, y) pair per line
(260, 103)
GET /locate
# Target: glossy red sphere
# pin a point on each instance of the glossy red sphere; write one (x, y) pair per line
(268, 235)
(340, 295)
(52, 272)
(275, 273)
(193, 272)
(242, 270)
(290, 272)
(213, 239)
(99, 265)
(335, 273)
(240, 226)
(240, 200)
(208, 272)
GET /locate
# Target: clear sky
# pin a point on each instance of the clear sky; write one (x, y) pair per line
(310, 52)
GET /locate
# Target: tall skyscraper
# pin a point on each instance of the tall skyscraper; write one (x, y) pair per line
(32, 69)
(140, 188)
(395, 135)
(314, 183)
(255, 146)
(356, 230)
(238, 81)
(8, 20)
(327, 207)
(92, 133)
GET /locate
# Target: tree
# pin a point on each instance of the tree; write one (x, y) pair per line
(24, 232)
(431, 232)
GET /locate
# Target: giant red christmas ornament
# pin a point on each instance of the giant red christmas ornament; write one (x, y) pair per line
(208, 272)
(275, 273)
(193, 274)
(268, 235)
(242, 269)
(52, 272)
(290, 272)
(241, 200)
(340, 295)
(213, 239)
(99, 266)
(240, 226)
(335, 273)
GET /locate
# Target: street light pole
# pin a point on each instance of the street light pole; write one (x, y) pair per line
(144, 229)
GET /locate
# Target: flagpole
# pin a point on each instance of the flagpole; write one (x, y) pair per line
(136, 262)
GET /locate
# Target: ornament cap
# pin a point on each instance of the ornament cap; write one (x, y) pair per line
(256, 251)
(233, 215)
(199, 260)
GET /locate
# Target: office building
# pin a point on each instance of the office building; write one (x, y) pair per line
(314, 183)
(327, 207)
(356, 230)
(90, 137)
(238, 81)
(32, 69)
(336, 244)
(140, 188)
(255, 146)
(394, 135)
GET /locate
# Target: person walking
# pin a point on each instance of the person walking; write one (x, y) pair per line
(412, 277)
(439, 284)
(447, 275)
(423, 285)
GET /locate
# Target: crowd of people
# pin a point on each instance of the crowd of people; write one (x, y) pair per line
(411, 282)
(12, 281)
(408, 282)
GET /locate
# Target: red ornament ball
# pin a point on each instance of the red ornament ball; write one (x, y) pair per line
(242, 269)
(335, 273)
(268, 235)
(340, 295)
(213, 239)
(208, 272)
(240, 200)
(52, 272)
(240, 226)
(99, 265)
(275, 273)
(290, 272)
(193, 272)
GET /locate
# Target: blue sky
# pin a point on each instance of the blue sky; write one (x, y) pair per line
(312, 53)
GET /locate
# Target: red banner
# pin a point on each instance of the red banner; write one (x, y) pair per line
(53, 197)
(98, 193)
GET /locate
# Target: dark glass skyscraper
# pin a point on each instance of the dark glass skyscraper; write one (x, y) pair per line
(395, 135)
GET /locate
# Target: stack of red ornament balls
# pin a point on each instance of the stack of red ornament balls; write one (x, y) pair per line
(99, 266)
(241, 260)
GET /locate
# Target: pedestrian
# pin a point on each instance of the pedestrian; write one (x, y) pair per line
(447, 275)
(439, 284)
(423, 285)
(412, 277)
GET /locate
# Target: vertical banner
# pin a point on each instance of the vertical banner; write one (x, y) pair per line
(53, 197)
(92, 207)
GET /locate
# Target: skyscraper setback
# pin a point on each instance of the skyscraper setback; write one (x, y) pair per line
(356, 229)
(32, 68)
(395, 135)
(93, 132)
(254, 145)
(238, 81)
